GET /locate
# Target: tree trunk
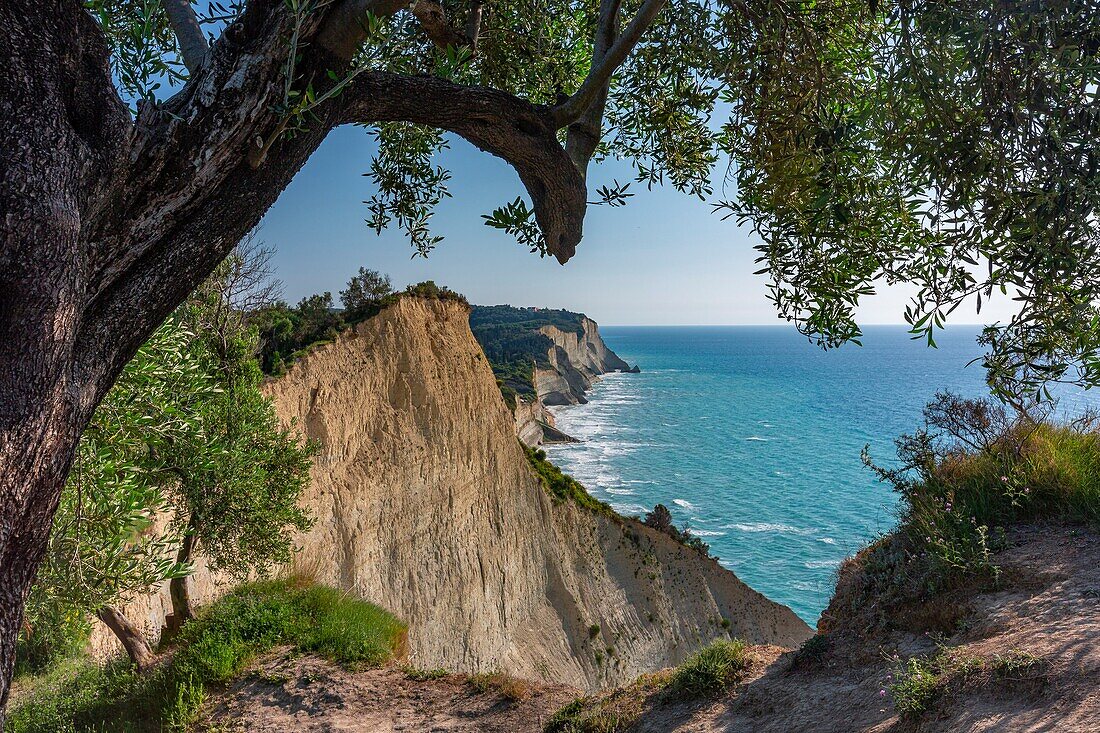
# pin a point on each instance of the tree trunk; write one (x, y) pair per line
(107, 223)
(180, 588)
(131, 637)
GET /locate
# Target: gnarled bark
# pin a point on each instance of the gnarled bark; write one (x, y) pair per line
(107, 223)
(133, 641)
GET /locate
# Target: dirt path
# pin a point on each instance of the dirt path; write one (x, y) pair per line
(284, 694)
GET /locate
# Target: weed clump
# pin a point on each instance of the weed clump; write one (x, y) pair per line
(512, 688)
(711, 670)
(922, 681)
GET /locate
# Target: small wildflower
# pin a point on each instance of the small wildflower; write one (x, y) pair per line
(1004, 478)
(882, 693)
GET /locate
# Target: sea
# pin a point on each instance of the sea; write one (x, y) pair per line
(751, 436)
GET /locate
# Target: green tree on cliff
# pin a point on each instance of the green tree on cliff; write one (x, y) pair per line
(365, 291)
(185, 456)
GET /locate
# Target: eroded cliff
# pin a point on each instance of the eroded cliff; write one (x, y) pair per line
(426, 505)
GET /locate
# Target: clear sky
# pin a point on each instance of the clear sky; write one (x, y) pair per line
(662, 259)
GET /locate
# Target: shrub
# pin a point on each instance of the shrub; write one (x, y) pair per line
(560, 485)
(711, 670)
(974, 468)
(428, 289)
(660, 519)
(211, 651)
(811, 653)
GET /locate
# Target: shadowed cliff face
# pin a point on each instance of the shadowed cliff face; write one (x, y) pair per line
(576, 360)
(426, 505)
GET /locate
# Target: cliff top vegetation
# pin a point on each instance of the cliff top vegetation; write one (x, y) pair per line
(511, 340)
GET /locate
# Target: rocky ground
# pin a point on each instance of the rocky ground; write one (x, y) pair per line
(1046, 608)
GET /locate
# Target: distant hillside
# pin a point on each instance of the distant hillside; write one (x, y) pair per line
(514, 345)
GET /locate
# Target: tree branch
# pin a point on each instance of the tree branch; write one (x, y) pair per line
(584, 135)
(599, 77)
(437, 26)
(185, 24)
(497, 122)
(473, 22)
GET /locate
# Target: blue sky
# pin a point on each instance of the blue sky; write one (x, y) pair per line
(662, 259)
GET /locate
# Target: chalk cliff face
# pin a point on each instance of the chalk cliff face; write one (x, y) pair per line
(577, 360)
(426, 505)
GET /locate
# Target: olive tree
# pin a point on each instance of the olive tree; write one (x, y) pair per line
(946, 144)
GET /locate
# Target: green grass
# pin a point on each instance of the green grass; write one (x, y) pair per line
(955, 512)
(711, 670)
(208, 653)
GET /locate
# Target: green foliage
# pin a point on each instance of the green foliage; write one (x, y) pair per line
(711, 670)
(106, 545)
(560, 485)
(286, 333)
(211, 651)
(972, 470)
(511, 341)
(811, 653)
(428, 289)
(52, 632)
(239, 482)
(660, 518)
(910, 142)
(919, 683)
(950, 145)
(364, 293)
(184, 444)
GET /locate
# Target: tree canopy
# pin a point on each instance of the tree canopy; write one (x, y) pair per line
(949, 145)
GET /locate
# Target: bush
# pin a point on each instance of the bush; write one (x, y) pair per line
(973, 469)
(711, 670)
(428, 289)
(210, 652)
(660, 519)
(560, 485)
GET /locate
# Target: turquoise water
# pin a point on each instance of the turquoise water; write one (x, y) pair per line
(752, 435)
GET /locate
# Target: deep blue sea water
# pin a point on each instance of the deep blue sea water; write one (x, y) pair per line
(752, 437)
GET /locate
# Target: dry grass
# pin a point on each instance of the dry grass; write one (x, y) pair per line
(511, 687)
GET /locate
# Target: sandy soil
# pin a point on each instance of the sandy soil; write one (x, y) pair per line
(285, 693)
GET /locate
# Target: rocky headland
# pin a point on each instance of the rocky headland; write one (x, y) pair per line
(427, 505)
(543, 358)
